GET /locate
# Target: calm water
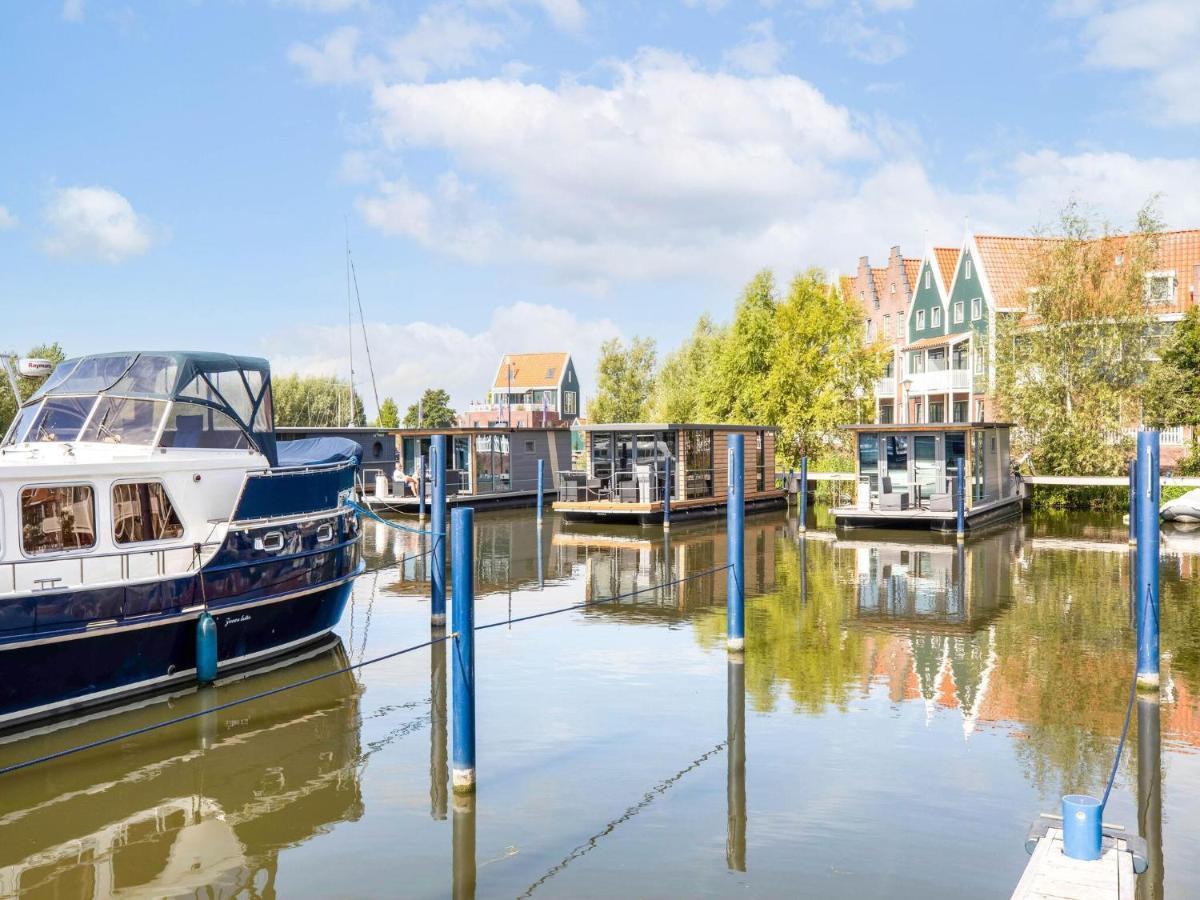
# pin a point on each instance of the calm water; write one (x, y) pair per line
(905, 710)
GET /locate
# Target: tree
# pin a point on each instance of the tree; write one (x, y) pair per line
(433, 411)
(8, 403)
(389, 414)
(681, 379)
(315, 401)
(1071, 372)
(624, 381)
(819, 375)
(1173, 389)
(733, 392)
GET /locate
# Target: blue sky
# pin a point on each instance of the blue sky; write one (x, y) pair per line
(542, 174)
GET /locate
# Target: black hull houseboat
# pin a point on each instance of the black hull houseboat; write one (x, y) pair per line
(906, 476)
(627, 470)
(140, 492)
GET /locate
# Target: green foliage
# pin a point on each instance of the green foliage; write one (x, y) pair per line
(389, 414)
(797, 363)
(315, 401)
(820, 375)
(624, 381)
(1074, 375)
(679, 385)
(1173, 390)
(8, 403)
(433, 411)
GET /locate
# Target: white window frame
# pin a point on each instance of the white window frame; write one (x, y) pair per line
(967, 268)
(935, 317)
(976, 308)
(112, 511)
(979, 411)
(958, 312)
(920, 320)
(980, 361)
(927, 278)
(1172, 284)
(887, 325)
(59, 554)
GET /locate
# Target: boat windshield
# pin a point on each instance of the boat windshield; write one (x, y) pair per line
(124, 420)
(88, 375)
(55, 419)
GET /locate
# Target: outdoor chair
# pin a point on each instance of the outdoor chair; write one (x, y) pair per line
(889, 499)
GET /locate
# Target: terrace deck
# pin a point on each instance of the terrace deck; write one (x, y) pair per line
(977, 516)
(651, 513)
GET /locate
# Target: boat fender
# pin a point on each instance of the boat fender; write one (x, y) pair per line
(206, 649)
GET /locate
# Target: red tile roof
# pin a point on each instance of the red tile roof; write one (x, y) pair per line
(531, 370)
(912, 269)
(947, 261)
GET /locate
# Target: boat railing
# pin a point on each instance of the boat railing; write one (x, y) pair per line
(644, 483)
(50, 573)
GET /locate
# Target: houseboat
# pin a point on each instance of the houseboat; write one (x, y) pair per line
(907, 474)
(143, 493)
(485, 467)
(626, 475)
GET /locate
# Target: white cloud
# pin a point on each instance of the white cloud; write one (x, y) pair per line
(321, 6)
(853, 28)
(892, 5)
(711, 5)
(1156, 37)
(412, 356)
(759, 53)
(95, 223)
(7, 219)
(567, 15)
(443, 39)
(72, 11)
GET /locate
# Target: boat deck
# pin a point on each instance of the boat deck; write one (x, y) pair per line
(619, 510)
(977, 516)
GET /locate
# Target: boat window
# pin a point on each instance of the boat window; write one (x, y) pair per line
(194, 426)
(57, 377)
(150, 374)
(124, 420)
(492, 473)
(58, 419)
(20, 425)
(58, 518)
(142, 511)
(94, 374)
(264, 419)
(226, 388)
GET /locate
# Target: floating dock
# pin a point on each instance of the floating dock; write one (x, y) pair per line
(1053, 875)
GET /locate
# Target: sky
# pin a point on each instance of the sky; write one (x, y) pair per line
(538, 175)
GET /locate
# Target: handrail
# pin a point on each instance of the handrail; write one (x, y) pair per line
(157, 553)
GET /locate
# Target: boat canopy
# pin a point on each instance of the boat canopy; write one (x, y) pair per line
(237, 386)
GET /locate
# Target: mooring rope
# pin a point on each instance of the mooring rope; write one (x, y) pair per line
(1112, 776)
(371, 514)
(137, 732)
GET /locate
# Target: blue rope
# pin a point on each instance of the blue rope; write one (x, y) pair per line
(363, 511)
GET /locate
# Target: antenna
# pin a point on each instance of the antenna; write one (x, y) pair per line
(363, 322)
(349, 325)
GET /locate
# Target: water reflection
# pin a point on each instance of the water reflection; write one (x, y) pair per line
(463, 837)
(1149, 795)
(735, 775)
(439, 770)
(161, 816)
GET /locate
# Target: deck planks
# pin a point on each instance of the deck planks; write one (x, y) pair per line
(1052, 875)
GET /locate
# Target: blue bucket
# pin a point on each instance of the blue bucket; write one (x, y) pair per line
(1081, 826)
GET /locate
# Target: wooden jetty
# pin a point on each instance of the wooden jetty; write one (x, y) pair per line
(627, 470)
(1053, 875)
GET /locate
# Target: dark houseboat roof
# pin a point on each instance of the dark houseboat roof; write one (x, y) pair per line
(672, 426)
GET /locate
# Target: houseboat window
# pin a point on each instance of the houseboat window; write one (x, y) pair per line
(956, 449)
(143, 512)
(978, 466)
(666, 448)
(868, 458)
(698, 458)
(461, 454)
(897, 464)
(57, 419)
(925, 467)
(54, 519)
(191, 425)
(760, 461)
(529, 448)
(150, 374)
(624, 453)
(602, 456)
(492, 465)
(124, 420)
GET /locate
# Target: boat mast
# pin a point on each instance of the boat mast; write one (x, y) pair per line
(349, 328)
(362, 321)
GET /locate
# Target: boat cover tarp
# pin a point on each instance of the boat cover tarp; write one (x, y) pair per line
(1183, 509)
(318, 451)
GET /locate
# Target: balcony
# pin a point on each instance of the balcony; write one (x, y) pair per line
(885, 387)
(939, 382)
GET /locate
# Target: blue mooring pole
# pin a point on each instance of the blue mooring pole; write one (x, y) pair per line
(1133, 501)
(804, 493)
(735, 604)
(1146, 611)
(667, 493)
(462, 575)
(437, 524)
(540, 485)
(960, 500)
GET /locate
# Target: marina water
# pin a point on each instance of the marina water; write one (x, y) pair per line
(905, 708)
